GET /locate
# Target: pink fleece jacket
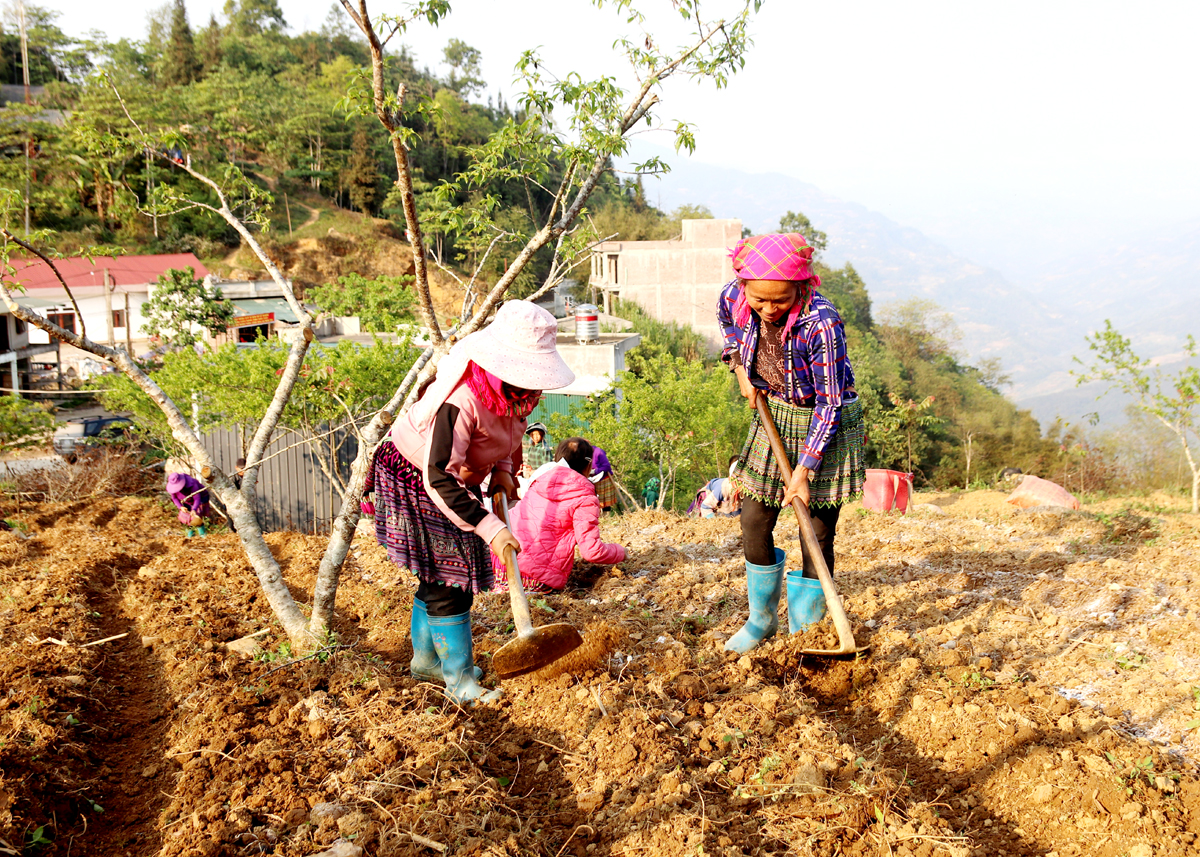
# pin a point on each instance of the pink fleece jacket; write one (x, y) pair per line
(559, 511)
(481, 442)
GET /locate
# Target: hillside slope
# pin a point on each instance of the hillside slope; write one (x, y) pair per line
(332, 242)
(1031, 690)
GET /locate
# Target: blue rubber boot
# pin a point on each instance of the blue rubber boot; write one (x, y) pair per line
(452, 642)
(201, 530)
(763, 585)
(189, 533)
(425, 664)
(806, 602)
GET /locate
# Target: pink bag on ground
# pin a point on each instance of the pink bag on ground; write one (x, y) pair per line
(887, 489)
(1032, 491)
(185, 517)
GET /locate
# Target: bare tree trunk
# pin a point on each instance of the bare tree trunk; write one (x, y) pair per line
(344, 525)
(632, 500)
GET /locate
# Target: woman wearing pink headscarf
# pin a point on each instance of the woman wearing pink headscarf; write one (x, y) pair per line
(785, 341)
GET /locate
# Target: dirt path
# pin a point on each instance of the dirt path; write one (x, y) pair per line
(127, 707)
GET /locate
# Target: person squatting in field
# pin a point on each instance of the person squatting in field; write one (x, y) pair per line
(558, 511)
(718, 497)
(602, 478)
(191, 498)
(786, 341)
(426, 474)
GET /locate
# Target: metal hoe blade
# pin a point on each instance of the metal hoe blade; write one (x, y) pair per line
(533, 648)
(808, 537)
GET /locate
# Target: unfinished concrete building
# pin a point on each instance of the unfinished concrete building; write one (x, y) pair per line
(676, 280)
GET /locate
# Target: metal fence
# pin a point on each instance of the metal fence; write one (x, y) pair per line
(293, 491)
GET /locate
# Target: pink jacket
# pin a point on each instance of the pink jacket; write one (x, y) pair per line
(558, 512)
(481, 442)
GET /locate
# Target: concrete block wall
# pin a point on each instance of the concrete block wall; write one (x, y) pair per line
(674, 280)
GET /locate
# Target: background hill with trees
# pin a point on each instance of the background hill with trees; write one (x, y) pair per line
(245, 91)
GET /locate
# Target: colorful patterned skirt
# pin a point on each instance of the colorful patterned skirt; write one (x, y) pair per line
(606, 492)
(415, 532)
(841, 476)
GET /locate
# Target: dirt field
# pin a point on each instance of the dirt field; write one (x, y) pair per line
(1033, 688)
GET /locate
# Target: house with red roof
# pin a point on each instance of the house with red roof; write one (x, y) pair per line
(109, 292)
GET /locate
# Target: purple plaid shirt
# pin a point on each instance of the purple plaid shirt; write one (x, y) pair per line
(816, 366)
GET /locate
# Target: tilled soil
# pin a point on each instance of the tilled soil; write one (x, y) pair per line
(1032, 688)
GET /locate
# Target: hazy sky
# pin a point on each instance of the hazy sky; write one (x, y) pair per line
(1015, 129)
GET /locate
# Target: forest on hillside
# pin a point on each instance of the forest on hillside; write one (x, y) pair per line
(244, 92)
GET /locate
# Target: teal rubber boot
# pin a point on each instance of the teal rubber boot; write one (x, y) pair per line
(806, 602)
(763, 586)
(425, 664)
(189, 533)
(202, 530)
(452, 642)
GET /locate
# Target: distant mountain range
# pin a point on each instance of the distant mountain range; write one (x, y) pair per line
(1148, 285)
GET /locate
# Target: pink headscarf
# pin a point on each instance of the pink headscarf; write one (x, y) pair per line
(490, 391)
(780, 256)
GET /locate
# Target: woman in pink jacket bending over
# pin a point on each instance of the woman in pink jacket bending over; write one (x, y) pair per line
(558, 511)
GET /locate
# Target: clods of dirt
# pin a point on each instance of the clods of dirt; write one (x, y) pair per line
(1031, 689)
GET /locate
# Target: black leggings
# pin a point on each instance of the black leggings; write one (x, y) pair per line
(758, 533)
(442, 600)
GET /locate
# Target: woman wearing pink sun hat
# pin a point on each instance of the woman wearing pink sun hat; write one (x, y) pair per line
(426, 474)
(785, 341)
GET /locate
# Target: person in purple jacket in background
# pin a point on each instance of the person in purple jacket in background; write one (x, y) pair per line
(602, 478)
(191, 497)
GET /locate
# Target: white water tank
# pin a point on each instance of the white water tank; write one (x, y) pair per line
(587, 323)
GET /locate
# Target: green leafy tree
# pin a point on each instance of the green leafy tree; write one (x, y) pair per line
(252, 17)
(362, 175)
(847, 291)
(382, 304)
(179, 64)
(1172, 400)
(464, 63)
(900, 431)
(23, 424)
(661, 341)
(680, 427)
(794, 221)
(181, 308)
(208, 46)
(53, 55)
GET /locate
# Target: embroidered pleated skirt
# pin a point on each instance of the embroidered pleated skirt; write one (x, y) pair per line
(841, 476)
(417, 534)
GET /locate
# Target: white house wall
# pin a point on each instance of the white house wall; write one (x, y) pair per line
(95, 319)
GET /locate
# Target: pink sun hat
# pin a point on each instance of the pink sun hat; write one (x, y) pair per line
(520, 347)
(176, 482)
(779, 256)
